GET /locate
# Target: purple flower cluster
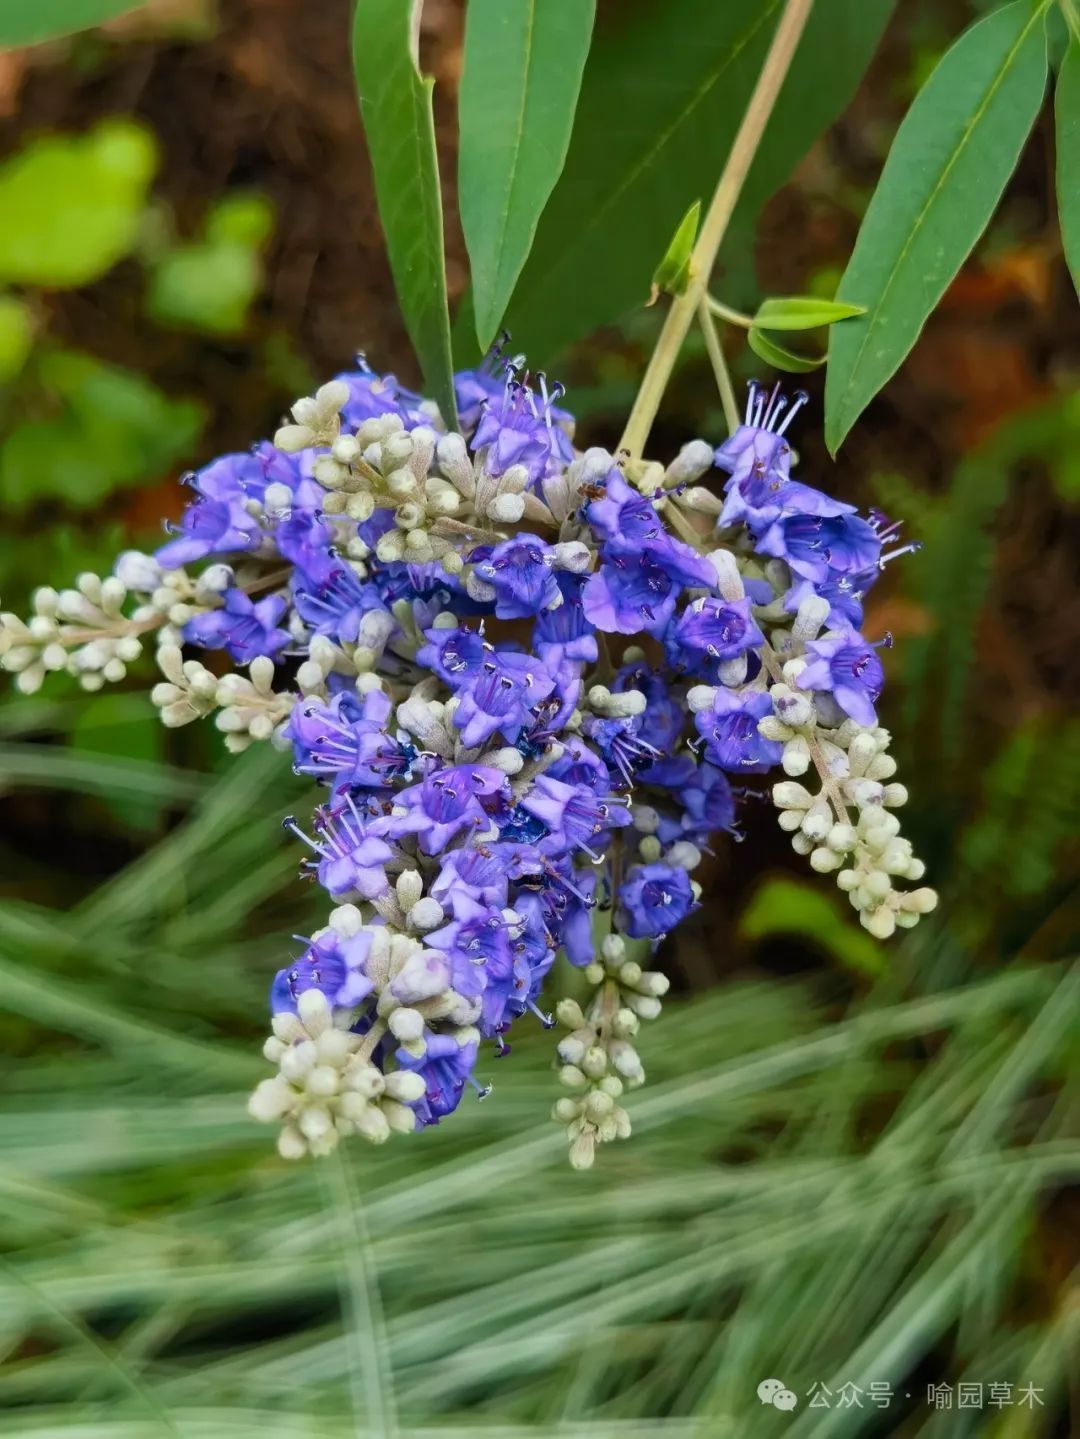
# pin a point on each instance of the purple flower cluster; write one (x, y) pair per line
(831, 553)
(521, 691)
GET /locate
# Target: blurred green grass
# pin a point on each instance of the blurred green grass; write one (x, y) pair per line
(829, 1194)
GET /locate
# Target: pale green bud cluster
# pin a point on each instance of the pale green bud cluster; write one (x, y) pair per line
(847, 827)
(598, 1059)
(95, 630)
(247, 708)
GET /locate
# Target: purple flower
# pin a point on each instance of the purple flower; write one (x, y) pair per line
(245, 627)
(520, 573)
(455, 655)
(845, 597)
(216, 522)
(500, 696)
(485, 963)
(335, 606)
(630, 593)
(665, 716)
(847, 667)
(624, 518)
(730, 732)
(703, 799)
(653, 899)
(517, 429)
(821, 547)
(346, 742)
(563, 635)
(331, 964)
(445, 1067)
(758, 500)
(305, 542)
(351, 847)
(621, 745)
(713, 629)
(447, 802)
(371, 396)
(479, 871)
(574, 815)
(758, 445)
(562, 906)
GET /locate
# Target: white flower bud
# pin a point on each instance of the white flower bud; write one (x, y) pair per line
(573, 555)
(138, 572)
(789, 795)
(700, 698)
(426, 914)
(728, 579)
(693, 460)
(292, 438)
(507, 509)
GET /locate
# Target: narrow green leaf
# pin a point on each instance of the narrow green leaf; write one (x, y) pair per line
(779, 357)
(23, 23)
(519, 90)
(666, 85)
(673, 272)
(949, 163)
(1067, 113)
(803, 312)
(395, 105)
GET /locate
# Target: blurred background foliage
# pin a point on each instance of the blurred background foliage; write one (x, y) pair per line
(851, 1162)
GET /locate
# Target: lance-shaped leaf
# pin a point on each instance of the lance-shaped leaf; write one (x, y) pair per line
(29, 22)
(672, 275)
(666, 85)
(802, 312)
(949, 163)
(395, 104)
(1067, 112)
(519, 90)
(779, 357)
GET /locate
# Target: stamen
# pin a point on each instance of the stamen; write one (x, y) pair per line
(800, 398)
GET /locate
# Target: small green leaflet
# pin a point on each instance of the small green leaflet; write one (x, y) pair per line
(1067, 114)
(519, 91)
(779, 357)
(803, 312)
(673, 272)
(29, 22)
(949, 163)
(395, 105)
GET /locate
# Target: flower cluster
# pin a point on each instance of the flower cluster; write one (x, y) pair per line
(522, 677)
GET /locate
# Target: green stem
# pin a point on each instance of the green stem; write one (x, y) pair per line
(725, 312)
(715, 347)
(703, 257)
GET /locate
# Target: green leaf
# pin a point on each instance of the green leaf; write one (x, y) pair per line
(666, 85)
(779, 357)
(948, 165)
(210, 285)
(72, 205)
(1067, 113)
(395, 105)
(16, 336)
(519, 88)
(673, 272)
(109, 429)
(28, 22)
(802, 312)
(788, 906)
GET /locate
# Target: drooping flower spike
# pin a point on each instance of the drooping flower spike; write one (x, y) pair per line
(442, 628)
